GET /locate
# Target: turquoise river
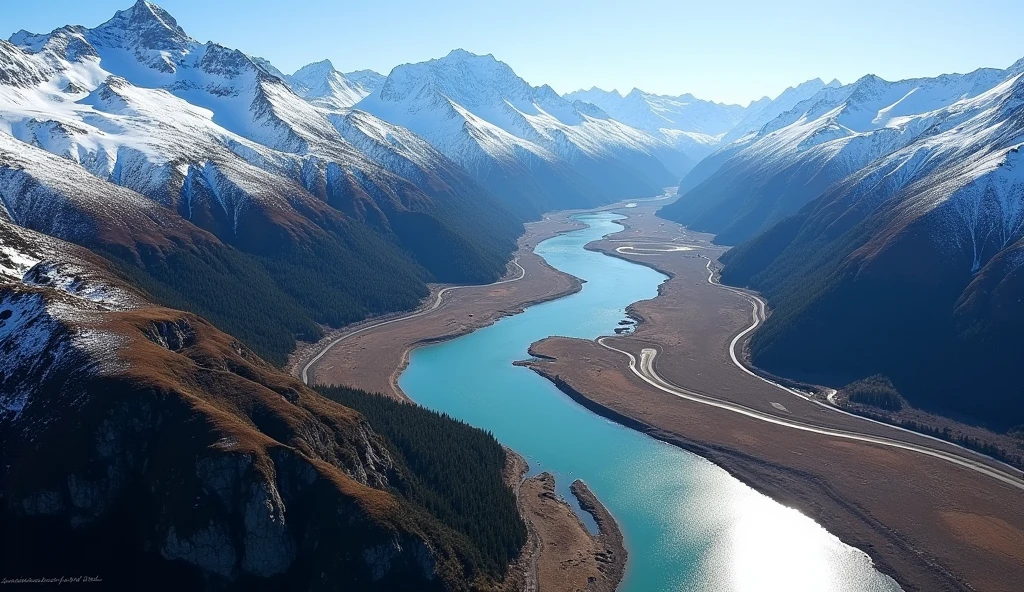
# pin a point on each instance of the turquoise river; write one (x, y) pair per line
(688, 525)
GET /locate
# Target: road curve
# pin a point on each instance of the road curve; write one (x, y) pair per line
(646, 372)
(434, 306)
(758, 316)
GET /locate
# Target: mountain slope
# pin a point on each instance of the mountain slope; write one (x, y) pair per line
(692, 125)
(910, 266)
(286, 274)
(320, 84)
(528, 145)
(176, 458)
(760, 179)
(761, 112)
(201, 137)
(177, 103)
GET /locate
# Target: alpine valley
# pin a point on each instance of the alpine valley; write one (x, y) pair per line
(178, 217)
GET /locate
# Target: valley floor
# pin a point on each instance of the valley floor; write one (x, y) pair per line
(930, 524)
(372, 359)
(561, 553)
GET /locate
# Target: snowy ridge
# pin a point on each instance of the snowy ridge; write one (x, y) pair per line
(694, 126)
(765, 110)
(322, 85)
(653, 113)
(34, 259)
(51, 296)
(205, 131)
(44, 192)
(478, 112)
(962, 179)
(863, 129)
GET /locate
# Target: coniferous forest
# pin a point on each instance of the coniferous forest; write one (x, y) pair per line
(451, 470)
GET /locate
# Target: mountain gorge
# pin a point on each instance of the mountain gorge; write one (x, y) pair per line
(887, 223)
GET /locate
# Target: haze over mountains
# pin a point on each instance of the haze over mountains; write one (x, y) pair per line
(694, 126)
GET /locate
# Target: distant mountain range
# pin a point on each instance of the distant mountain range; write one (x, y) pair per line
(885, 223)
(694, 126)
(527, 144)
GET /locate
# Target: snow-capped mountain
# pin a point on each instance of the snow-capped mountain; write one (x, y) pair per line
(651, 112)
(132, 136)
(367, 80)
(692, 125)
(764, 110)
(522, 142)
(761, 178)
(138, 102)
(909, 258)
(758, 114)
(320, 84)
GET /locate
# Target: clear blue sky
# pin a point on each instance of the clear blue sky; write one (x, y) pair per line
(724, 50)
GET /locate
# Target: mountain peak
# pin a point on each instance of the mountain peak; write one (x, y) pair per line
(322, 84)
(320, 68)
(267, 66)
(868, 79)
(464, 77)
(143, 25)
(368, 80)
(590, 109)
(765, 100)
(1017, 66)
(315, 73)
(461, 54)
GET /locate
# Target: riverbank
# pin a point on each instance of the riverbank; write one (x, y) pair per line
(560, 553)
(929, 524)
(373, 359)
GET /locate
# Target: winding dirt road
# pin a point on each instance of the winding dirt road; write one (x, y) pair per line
(434, 306)
(645, 370)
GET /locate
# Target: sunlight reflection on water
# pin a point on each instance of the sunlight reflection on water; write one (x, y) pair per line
(688, 524)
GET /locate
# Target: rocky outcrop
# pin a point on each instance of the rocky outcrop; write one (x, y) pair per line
(134, 434)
